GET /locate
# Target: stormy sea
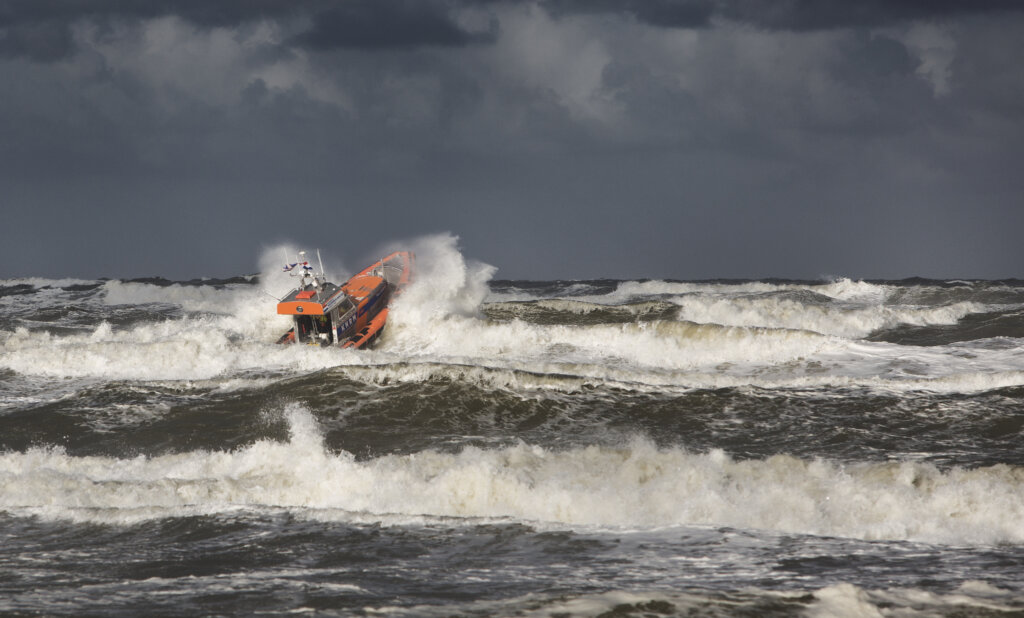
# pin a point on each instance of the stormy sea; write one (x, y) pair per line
(835, 447)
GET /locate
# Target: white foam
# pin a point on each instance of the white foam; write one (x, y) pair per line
(635, 486)
(840, 320)
(579, 307)
(444, 284)
(202, 298)
(656, 346)
(193, 349)
(849, 601)
(511, 296)
(571, 377)
(850, 290)
(41, 282)
(843, 601)
(840, 289)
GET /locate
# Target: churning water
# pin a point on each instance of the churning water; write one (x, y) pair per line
(515, 448)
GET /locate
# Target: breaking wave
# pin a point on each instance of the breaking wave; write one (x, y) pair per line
(843, 321)
(841, 289)
(635, 485)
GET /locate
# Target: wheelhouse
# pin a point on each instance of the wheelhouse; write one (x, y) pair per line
(320, 316)
(319, 308)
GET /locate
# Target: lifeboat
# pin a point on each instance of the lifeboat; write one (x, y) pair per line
(351, 315)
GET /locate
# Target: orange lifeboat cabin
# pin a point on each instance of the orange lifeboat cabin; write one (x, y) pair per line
(351, 315)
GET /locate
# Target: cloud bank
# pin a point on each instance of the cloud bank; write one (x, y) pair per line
(686, 139)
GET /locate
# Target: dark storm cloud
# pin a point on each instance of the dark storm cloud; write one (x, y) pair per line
(204, 13)
(558, 138)
(784, 14)
(371, 24)
(665, 13)
(41, 31)
(829, 14)
(42, 41)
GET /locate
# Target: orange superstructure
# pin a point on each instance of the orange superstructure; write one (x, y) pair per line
(350, 315)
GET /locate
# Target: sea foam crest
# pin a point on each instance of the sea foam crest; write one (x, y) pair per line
(187, 349)
(635, 485)
(191, 298)
(840, 320)
(840, 289)
(42, 282)
(660, 345)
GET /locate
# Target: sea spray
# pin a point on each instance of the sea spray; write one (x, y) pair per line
(444, 283)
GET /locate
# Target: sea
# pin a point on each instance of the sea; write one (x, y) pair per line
(614, 448)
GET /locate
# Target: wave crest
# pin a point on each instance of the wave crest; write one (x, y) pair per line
(635, 485)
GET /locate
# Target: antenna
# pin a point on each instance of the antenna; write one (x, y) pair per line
(319, 281)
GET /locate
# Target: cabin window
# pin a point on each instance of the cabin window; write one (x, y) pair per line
(314, 329)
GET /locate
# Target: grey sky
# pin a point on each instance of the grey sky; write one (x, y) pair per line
(559, 139)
